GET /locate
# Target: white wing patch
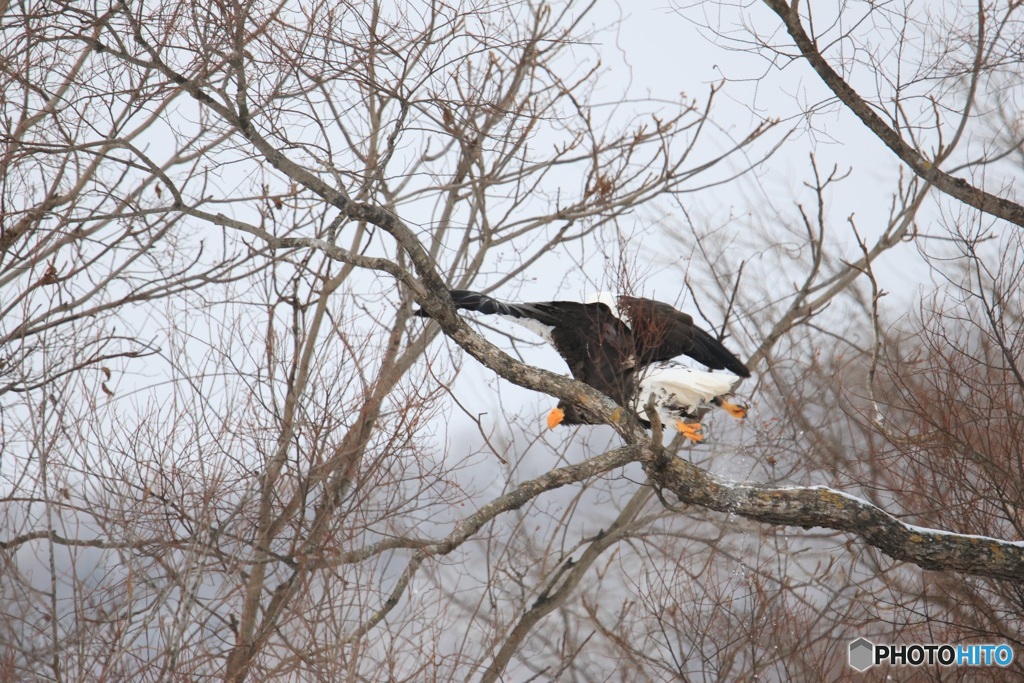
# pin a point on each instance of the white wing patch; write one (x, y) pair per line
(538, 328)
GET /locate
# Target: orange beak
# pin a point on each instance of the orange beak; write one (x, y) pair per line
(555, 417)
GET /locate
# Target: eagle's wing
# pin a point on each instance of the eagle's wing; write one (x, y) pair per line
(661, 332)
(595, 344)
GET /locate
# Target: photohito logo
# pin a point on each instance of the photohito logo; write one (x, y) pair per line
(865, 654)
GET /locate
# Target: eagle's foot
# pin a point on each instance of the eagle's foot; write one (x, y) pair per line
(555, 417)
(735, 409)
(691, 431)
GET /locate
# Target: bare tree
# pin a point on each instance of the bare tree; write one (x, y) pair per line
(226, 442)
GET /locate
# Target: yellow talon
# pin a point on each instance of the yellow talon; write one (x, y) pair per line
(690, 431)
(555, 417)
(734, 409)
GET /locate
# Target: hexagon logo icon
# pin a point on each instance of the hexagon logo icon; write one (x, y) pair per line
(862, 654)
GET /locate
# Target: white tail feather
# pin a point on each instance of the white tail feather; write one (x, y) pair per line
(676, 387)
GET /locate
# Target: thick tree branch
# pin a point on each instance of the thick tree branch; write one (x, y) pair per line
(958, 188)
(820, 506)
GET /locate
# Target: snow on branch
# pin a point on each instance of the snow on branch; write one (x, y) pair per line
(821, 506)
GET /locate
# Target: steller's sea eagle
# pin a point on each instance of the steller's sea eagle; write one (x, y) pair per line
(621, 347)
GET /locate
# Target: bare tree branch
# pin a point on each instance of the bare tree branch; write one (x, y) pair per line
(958, 188)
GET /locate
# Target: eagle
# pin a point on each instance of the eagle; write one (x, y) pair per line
(623, 346)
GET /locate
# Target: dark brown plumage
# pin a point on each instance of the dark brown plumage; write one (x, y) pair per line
(662, 332)
(597, 346)
(606, 342)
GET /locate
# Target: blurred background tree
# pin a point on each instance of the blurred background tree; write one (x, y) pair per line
(229, 450)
